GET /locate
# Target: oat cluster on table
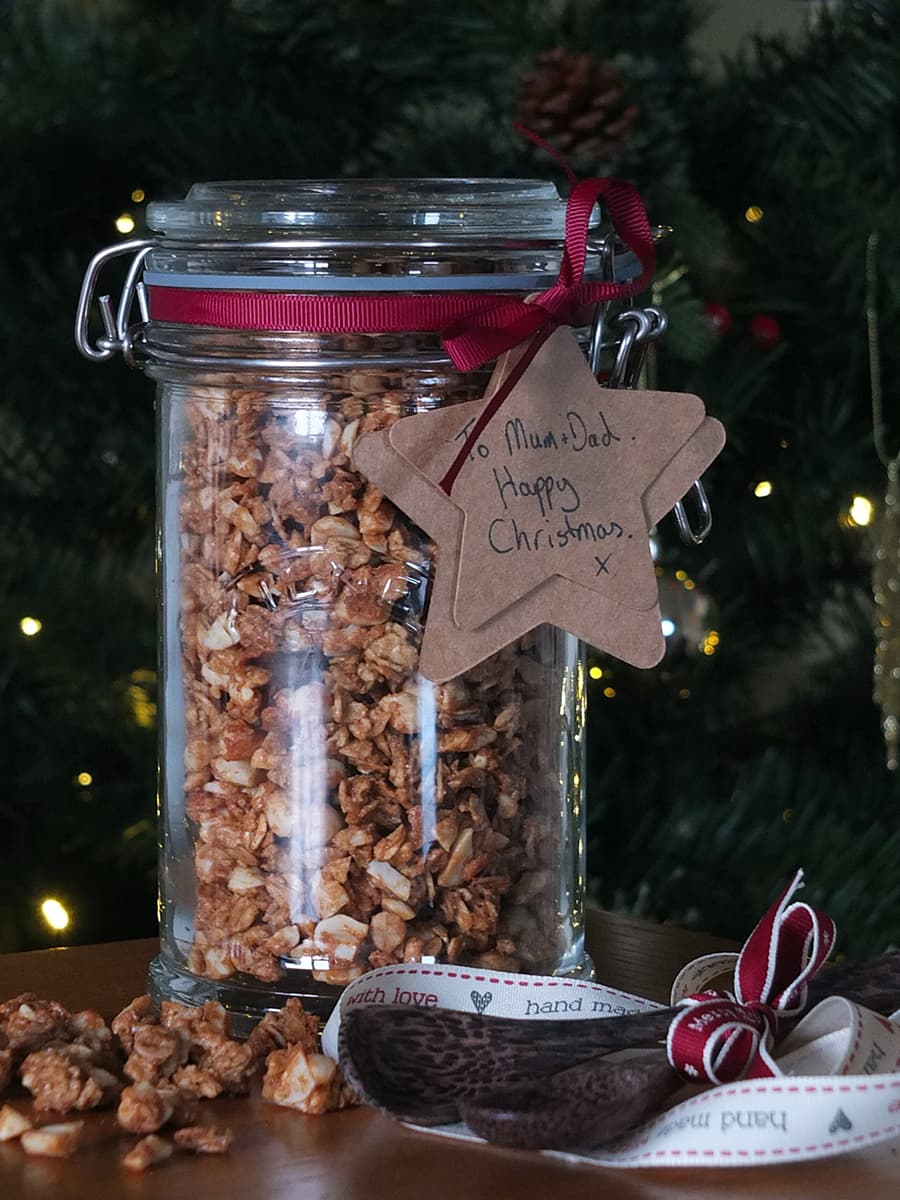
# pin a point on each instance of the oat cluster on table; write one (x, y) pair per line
(154, 1066)
(345, 813)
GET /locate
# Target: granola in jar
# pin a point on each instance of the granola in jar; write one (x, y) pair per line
(345, 812)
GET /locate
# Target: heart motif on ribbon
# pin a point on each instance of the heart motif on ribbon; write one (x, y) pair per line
(841, 1121)
(481, 1000)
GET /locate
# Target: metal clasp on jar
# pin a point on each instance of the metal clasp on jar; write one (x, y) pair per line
(640, 327)
(119, 335)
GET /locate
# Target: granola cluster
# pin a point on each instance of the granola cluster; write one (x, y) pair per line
(156, 1067)
(344, 812)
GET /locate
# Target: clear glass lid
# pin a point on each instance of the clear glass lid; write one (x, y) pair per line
(416, 209)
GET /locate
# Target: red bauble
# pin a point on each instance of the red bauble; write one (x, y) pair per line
(719, 317)
(765, 331)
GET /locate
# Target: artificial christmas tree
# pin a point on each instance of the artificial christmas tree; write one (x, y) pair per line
(711, 777)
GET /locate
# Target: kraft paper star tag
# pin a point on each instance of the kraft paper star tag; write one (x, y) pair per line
(554, 486)
(555, 483)
(633, 635)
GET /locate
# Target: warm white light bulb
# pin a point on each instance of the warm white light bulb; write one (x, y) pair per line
(860, 510)
(54, 914)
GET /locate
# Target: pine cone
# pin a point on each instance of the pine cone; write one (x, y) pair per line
(579, 105)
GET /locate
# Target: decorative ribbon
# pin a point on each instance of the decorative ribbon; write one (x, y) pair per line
(720, 1037)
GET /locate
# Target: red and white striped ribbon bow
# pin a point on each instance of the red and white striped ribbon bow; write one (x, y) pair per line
(719, 1037)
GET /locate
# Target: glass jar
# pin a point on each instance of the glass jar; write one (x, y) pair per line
(325, 809)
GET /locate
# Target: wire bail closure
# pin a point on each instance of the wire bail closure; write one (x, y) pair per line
(118, 337)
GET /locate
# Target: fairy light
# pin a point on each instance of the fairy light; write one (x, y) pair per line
(667, 626)
(609, 692)
(140, 698)
(54, 914)
(710, 643)
(125, 223)
(84, 779)
(762, 489)
(596, 672)
(30, 626)
(754, 214)
(684, 694)
(138, 195)
(681, 576)
(860, 512)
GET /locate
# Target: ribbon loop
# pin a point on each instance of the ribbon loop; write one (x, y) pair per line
(718, 1037)
(788, 946)
(488, 332)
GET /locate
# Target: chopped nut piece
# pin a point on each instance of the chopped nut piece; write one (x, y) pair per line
(311, 1083)
(144, 1108)
(12, 1123)
(389, 879)
(147, 1153)
(452, 874)
(388, 931)
(53, 1141)
(245, 879)
(340, 937)
(203, 1139)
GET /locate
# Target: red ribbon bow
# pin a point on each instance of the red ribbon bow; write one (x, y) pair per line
(720, 1037)
(490, 331)
(487, 333)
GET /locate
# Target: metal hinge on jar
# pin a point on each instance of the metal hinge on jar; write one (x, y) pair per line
(640, 327)
(119, 336)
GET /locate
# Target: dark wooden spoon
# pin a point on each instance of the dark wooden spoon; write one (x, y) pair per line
(417, 1064)
(584, 1106)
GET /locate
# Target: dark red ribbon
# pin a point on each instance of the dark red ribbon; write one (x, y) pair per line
(719, 1037)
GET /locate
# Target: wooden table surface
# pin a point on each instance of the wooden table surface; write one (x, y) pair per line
(357, 1155)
